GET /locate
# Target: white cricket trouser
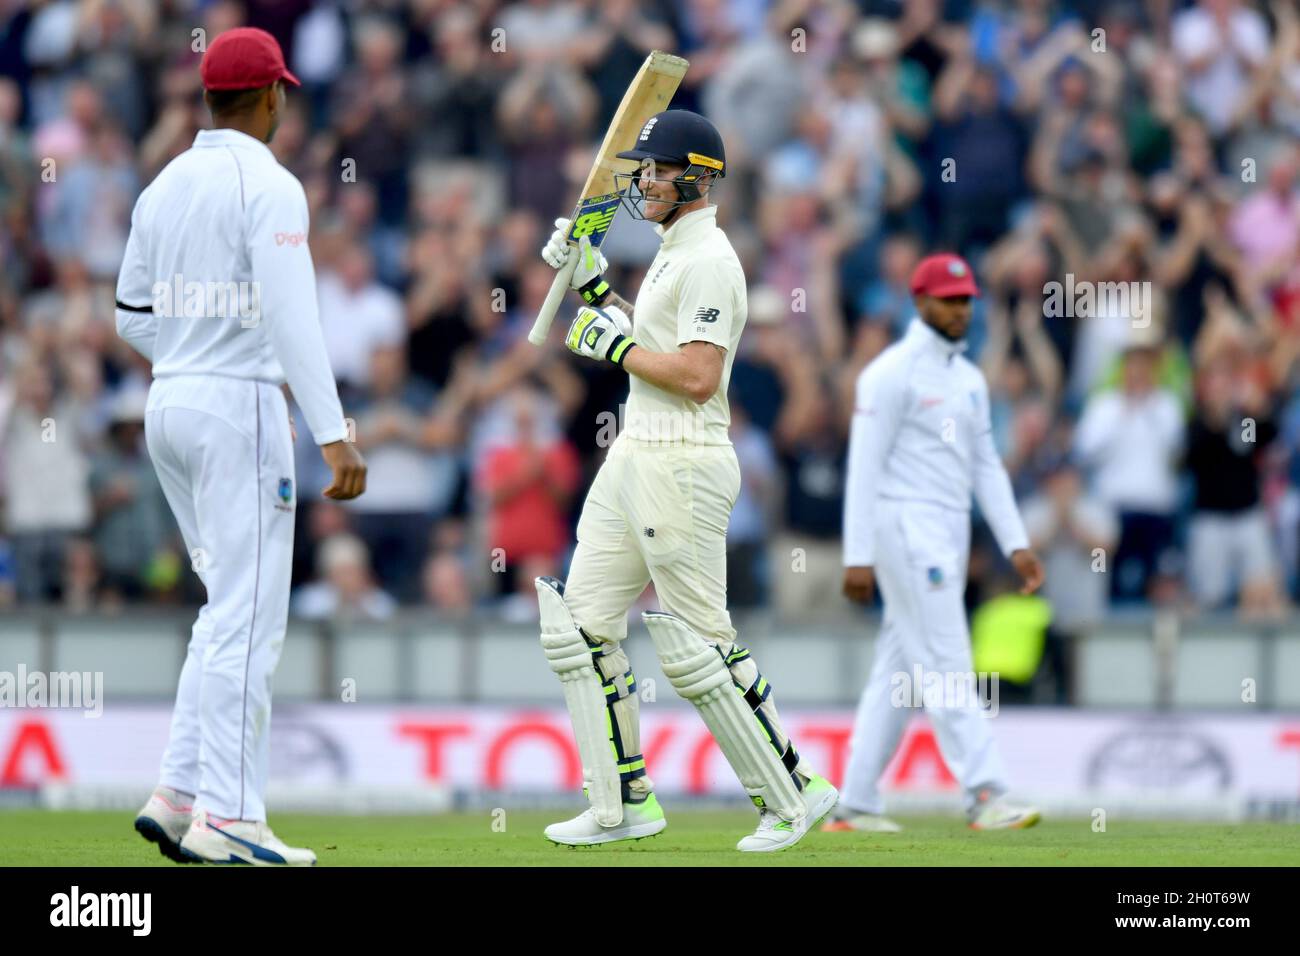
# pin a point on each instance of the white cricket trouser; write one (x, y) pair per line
(921, 554)
(223, 453)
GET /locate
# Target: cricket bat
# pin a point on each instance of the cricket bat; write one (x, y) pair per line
(650, 92)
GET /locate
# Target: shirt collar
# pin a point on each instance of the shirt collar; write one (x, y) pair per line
(689, 226)
(920, 332)
(208, 138)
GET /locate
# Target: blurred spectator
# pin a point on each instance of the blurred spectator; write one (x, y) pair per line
(132, 521)
(541, 111)
(887, 299)
(1229, 546)
(371, 116)
(345, 590)
(445, 584)
(806, 555)
(457, 87)
(47, 495)
(747, 534)
(357, 314)
(527, 483)
(1130, 439)
(413, 468)
(81, 577)
(1220, 44)
(1265, 227)
(1075, 534)
(983, 145)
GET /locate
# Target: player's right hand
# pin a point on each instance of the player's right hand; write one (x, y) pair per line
(859, 583)
(589, 274)
(349, 470)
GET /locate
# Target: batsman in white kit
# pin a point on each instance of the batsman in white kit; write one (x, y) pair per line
(218, 291)
(921, 443)
(658, 511)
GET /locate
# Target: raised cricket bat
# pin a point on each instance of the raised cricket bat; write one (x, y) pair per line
(649, 93)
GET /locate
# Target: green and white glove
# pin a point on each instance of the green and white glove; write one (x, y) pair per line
(589, 275)
(602, 334)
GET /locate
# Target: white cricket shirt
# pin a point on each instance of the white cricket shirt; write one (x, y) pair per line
(694, 291)
(922, 432)
(217, 278)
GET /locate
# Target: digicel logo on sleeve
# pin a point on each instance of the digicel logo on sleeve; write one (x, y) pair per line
(290, 238)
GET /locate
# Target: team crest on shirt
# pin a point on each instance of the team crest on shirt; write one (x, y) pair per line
(935, 576)
(285, 491)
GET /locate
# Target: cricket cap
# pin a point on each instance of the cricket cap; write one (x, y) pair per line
(244, 58)
(943, 275)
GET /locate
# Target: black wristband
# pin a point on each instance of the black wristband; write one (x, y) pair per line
(595, 292)
(618, 351)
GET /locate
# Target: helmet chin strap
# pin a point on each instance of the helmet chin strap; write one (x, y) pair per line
(683, 197)
(667, 220)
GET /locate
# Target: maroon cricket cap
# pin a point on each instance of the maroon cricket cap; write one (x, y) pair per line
(244, 58)
(943, 275)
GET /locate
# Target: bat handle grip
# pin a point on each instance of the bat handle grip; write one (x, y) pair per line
(542, 324)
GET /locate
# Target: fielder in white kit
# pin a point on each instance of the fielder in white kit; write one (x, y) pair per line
(658, 510)
(218, 291)
(921, 443)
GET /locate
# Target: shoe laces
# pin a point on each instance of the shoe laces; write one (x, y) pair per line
(769, 820)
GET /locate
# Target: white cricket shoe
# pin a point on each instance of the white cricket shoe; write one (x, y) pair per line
(240, 841)
(862, 823)
(640, 820)
(164, 820)
(999, 813)
(774, 834)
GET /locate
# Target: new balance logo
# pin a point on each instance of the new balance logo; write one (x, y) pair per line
(649, 532)
(706, 315)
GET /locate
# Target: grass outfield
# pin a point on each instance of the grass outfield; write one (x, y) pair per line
(36, 838)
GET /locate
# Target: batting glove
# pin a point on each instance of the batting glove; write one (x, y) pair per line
(601, 334)
(589, 275)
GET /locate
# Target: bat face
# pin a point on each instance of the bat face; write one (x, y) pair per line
(651, 91)
(593, 217)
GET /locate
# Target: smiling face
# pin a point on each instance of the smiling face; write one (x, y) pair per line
(655, 181)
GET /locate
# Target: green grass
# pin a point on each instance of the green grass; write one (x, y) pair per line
(42, 838)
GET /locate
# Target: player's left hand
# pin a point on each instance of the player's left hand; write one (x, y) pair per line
(1029, 568)
(588, 279)
(602, 334)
